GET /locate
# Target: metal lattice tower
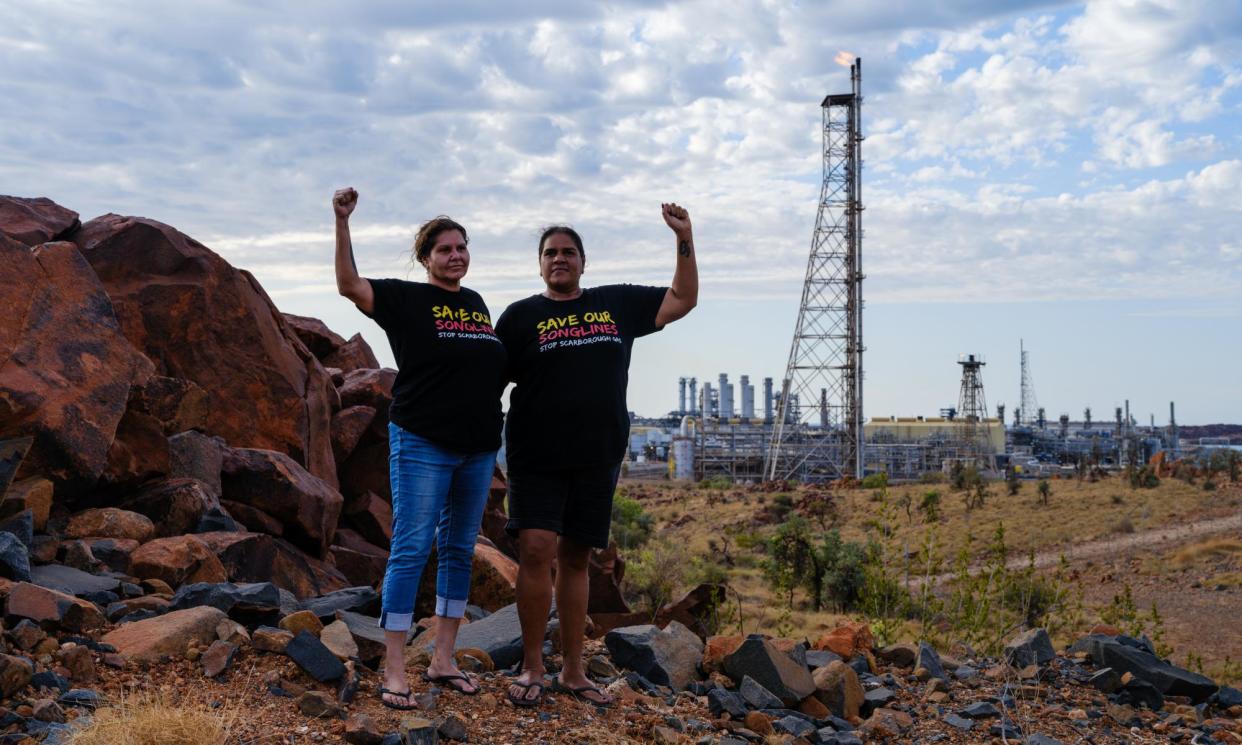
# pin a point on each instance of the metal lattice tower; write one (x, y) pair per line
(1029, 404)
(972, 410)
(825, 442)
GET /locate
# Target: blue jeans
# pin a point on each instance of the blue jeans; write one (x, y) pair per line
(439, 495)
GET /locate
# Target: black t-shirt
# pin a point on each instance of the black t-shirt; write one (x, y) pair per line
(570, 360)
(450, 365)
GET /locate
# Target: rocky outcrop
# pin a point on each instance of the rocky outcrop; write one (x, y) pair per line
(306, 506)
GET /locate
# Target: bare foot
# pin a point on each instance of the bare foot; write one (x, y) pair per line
(582, 688)
(527, 688)
(449, 675)
(397, 689)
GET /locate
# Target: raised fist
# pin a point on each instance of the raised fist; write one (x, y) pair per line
(344, 201)
(676, 217)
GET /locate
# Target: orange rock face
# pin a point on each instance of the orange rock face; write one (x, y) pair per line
(255, 557)
(110, 522)
(717, 648)
(207, 322)
(177, 560)
(847, 640)
(65, 367)
(307, 507)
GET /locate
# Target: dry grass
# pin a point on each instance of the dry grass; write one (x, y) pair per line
(1078, 511)
(154, 722)
(1213, 549)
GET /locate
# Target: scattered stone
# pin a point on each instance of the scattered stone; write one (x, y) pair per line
(270, 639)
(792, 725)
(169, 634)
(312, 656)
(21, 525)
(759, 723)
(218, 657)
(1126, 655)
(80, 663)
(930, 661)
(500, 635)
(81, 697)
(1005, 730)
(26, 634)
(419, 731)
(453, 728)
(980, 710)
(957, 722)
(110, 522)
(361, 729)
(359, 600)
(847, 640)
(888, 723)
(233, 632)
(721, 701)
(15, 674)
(758, 697)
(303, 620)
(177, 560)
(665, 657)
(772, 669)
(47, 710)
(837, 686)
(901, 655)
(337, 637)
(1105, 680)
(318, 704)
(877, 698)
(1032, 647)
(1038, 739)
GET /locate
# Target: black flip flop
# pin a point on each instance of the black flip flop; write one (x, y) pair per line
(523, 700)
(446, 681)
(581, 691)
(407, 695)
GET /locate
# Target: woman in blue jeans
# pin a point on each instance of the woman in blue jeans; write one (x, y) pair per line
(444, 431)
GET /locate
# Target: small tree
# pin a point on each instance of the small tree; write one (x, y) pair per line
(1045, 490)
(930, 506)
(1012, 484)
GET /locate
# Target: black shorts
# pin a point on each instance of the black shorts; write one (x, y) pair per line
(574, 503)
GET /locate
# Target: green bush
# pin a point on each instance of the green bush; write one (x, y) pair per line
(716, 482)
(656, 573)
(933, 477)
(875, 480)
(631, 526)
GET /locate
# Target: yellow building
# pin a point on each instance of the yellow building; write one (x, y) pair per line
(900, 429)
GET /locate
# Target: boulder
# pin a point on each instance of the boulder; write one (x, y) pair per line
(110, 553)
(36, 220)
(307, 506)
(175, 506)
(34, 495)
(360, 600)
(52, 609)
(371, 517)
(359, 568)
(253, 518)
(65, 367)
(499, 634)
(495, 516)
(315, 334)
(606, 569)
(169, 634)
(337, 637)
(12, 451)
(15, 674)
(21, 526)
(366, 469)
(299, 621)
(177, 560)
(665, 657)
(207, 322)
(252, 602)
(929, 660)
(354, 354)
(837, 687)
(194, 455)
(218, 657)
(697, 609)
(348, 427)
(369, 387)
(716, 648)
(901, 655)
(886, 724)
(756, 696)
(72, 581)
(138, 454)
(254, 557)
(270, 639)
(774, 670)
(366, 633)
(14, 558)
(847, 640)
(1031, 647)
(110, 522)
(1123, 657)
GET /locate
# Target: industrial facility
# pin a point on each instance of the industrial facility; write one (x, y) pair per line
(810, 425)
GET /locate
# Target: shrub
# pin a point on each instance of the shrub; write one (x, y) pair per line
(933, 477)
(1012, 484)
(716, 482)
(655, 573)
(875, 480)
(930, 506)
(631, 526)
(1045, 489)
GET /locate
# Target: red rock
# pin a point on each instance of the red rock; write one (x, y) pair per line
(372, 518)
(493, 579)
(194, 455)
(366, 469)
(495, 517)
(361, 729)
(178, 404)
(302, 620)
(169, 634)
(218, 657)
(354, 354)
(177, 560)
(315, 334)
(253, 518)
(207, 322)
(327, 576)
(696, 609)
(886, 723)
(838, 688)
(368, 387)
(348, 427)
(606, 570)
(67, 367)
(137, 455)
(716, 648)
(847, 640)
(307, 506)
(359, 568)
(34, 494)
(175, 506)
(35, 221)
(78, 554)
(80, 664)
(255, 557)
(52, 608)
(110, 522)
(15, 674)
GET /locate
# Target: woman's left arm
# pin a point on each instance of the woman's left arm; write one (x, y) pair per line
(683, 294)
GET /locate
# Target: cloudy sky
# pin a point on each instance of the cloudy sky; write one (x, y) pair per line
(1063, 173)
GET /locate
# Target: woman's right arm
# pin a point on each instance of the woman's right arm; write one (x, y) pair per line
(348, 283)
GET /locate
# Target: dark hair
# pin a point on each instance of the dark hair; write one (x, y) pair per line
(552, 230)
(429, 231)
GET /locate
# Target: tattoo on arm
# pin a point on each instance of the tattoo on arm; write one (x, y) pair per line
(683, 247)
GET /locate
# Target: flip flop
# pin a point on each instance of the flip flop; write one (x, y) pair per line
(403, 694)
(447, 682)
(523, 700)
(581, 691)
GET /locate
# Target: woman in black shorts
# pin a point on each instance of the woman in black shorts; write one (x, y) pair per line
(567, 427)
